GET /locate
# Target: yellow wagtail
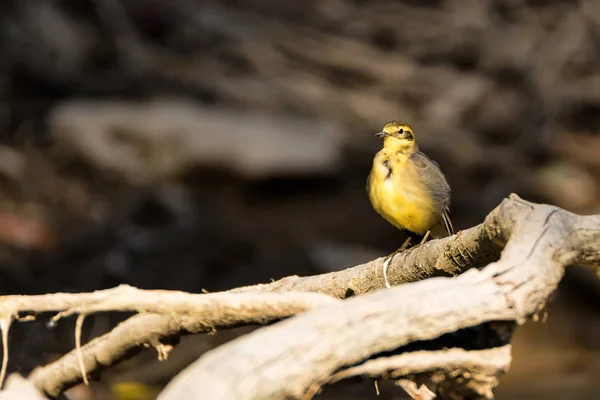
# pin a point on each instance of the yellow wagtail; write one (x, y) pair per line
(408, 189)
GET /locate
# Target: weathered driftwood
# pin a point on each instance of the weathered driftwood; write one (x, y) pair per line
(292, 358)
(471, 248)
(346, 339)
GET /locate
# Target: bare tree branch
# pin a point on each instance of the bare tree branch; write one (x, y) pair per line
(476, 371)
(288, 359)
(211, 307)
(203, 313)
(473, 247)
(421, 311)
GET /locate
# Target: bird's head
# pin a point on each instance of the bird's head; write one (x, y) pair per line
(398, 135)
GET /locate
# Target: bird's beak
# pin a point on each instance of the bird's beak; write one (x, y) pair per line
(380, 134)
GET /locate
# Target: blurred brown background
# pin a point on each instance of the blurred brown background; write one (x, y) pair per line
(197, 144)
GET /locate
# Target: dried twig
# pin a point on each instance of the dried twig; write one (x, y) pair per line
(5, 322)
(127, 298)
(78, 326)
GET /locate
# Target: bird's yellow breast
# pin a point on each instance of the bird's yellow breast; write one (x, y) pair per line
(397, 194)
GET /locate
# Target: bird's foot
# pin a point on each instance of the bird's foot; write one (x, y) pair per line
(404, 246)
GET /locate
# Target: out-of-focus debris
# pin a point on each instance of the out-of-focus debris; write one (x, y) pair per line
(25, 233)
(581, 148)
(47, 40)
(416, 392)
(79, 392)
(19, 388)
(131, 391)
(568, 186)
(159, 140)
(12, 163)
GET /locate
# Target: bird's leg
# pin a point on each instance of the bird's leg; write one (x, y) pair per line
(425, 237)
(386, 263)
(403, 247)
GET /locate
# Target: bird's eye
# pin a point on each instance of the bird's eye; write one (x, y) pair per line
(400, 130)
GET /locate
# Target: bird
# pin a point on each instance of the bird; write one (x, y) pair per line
(408, 189)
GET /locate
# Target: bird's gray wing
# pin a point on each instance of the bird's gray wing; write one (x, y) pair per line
(435, 183)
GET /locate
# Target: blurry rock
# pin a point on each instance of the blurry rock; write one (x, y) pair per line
(158, 140)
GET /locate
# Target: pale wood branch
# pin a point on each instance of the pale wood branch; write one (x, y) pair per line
(213, 307)
(288, 359)
(473, 247)
(536, 241)
(476, 372)
(180, 314)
